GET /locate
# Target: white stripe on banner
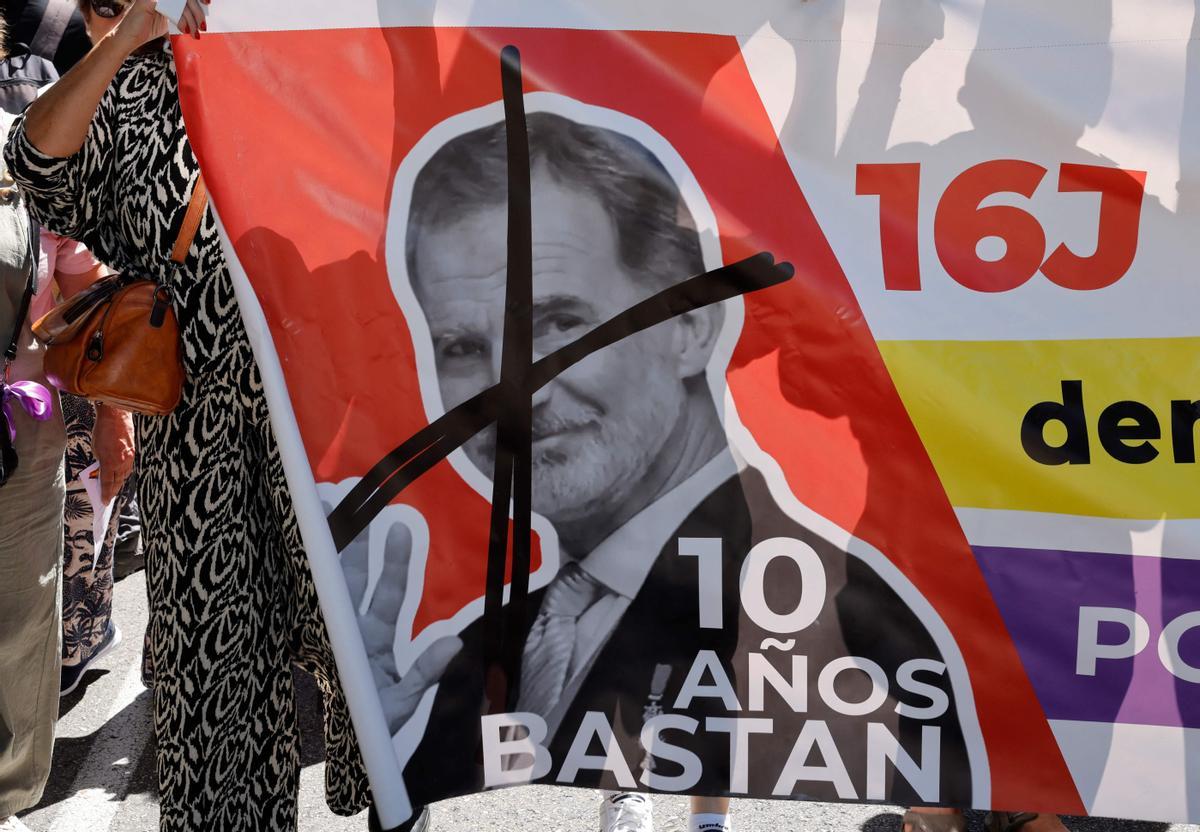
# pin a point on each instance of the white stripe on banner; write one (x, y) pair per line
(1071, 533)
(1055, 25)
(1148, 772)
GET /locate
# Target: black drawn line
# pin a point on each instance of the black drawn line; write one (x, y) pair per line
(514, 427)
(508, 403)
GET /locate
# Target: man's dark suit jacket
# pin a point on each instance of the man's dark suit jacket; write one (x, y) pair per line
(862, 616)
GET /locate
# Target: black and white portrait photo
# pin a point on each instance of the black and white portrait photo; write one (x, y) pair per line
(691, 626)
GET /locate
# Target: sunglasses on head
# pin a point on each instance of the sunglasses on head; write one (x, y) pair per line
(108, 8)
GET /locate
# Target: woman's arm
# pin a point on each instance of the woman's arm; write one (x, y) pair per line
(70, 285)
(57, 123)
(113, 447)
(75, 268)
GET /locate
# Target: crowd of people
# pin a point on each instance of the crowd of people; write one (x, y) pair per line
(101, 163)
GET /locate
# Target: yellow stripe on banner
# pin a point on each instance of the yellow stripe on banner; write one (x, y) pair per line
(969, 400)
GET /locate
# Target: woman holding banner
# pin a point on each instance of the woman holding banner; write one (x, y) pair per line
(104, 158)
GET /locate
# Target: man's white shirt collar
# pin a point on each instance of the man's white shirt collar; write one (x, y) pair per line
(623, 559)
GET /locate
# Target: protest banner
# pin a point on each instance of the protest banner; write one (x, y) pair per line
(784, 399)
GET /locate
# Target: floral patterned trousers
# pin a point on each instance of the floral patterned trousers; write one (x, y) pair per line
(87, 577)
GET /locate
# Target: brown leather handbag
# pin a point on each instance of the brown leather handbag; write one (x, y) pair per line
(118, 341)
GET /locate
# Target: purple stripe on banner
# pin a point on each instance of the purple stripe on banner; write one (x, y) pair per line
(1042, 596)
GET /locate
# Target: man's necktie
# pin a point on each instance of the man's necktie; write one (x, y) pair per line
(551, 641)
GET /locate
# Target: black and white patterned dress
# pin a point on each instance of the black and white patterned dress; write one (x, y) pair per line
(232, 601)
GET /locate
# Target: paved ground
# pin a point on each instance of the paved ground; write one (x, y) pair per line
(103, 777)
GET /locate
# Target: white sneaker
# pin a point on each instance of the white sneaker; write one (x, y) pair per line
(13, 824)
(626, 812)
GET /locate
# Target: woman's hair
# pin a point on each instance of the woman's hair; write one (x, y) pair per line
(656, 232)
(3, 38)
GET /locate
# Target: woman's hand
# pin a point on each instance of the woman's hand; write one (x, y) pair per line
(141, 23)
(113, 447)
(191, 22)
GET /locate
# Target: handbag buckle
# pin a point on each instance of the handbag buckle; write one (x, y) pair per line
(162, 300)
(95, 348)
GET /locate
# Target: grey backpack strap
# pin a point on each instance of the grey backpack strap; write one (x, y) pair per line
(10, 349)
(50, 31)
(29, 252)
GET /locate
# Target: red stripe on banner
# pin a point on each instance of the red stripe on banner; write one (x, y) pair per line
(300, 135)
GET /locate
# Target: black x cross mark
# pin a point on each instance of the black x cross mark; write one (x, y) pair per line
(509, 402)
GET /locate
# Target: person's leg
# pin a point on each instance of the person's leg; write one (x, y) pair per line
(31, 539)
(419, 822)
(347, 791)
(228, 752)
(941, 819)
(626, 812)
(933, 819)
(1024, 822)
(709, 814)
(1045, 822)
(88, 630)
(127, 551)
(77, 561)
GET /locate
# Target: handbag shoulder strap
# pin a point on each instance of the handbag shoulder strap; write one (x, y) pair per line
(191, 221)
(10, 351)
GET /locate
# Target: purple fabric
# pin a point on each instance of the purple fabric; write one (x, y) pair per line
(1040, 592)
(34, 398)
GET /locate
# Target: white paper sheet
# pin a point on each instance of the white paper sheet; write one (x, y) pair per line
(101, 512)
